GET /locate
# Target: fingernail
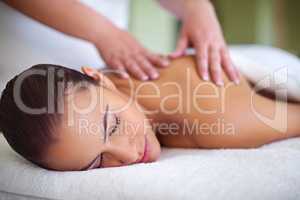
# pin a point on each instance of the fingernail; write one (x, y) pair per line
(220, 82)
(165, 63)
(124, 75)
(144, 78)
(237, 81)
(154, 75)
(205, 77)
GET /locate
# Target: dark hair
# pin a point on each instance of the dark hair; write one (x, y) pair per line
(30, 134)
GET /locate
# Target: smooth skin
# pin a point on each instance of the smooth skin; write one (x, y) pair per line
(120, 50)
(178, 98)
(207, 103)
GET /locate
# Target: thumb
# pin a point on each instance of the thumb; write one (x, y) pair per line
(182, 44)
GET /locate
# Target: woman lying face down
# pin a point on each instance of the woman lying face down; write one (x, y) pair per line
(66, 120)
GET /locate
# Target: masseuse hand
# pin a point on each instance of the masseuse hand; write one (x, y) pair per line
(121, 51)
(201, 30)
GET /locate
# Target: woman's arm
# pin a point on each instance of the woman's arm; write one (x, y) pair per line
(178, 7)
(68, 16)
(118, 48)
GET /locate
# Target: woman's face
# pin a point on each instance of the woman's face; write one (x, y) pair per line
(111, 132)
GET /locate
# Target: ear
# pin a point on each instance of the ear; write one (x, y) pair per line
(98, 76)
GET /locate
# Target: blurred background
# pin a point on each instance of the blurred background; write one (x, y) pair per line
(25, 42)
(267, 22)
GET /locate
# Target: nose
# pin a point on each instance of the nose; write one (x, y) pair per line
(118, 155)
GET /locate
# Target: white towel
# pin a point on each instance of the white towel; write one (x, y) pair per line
(270, 172)
(269, 68)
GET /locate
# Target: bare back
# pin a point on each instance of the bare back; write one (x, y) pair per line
(188, 112)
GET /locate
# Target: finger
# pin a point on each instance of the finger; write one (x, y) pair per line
(182, 44)
(158, 60)
(147, 67)
(119, 66)
(134, 69)
(238, 75)
(228, 67)
(202, 60)
(215, 66)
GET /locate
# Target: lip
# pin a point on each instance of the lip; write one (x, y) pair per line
(145, 156)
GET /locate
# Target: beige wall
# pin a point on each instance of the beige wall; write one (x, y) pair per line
(153, 26)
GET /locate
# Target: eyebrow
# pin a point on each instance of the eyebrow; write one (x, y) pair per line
(105, 139)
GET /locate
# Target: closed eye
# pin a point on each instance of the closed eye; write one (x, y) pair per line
(93, 164)
(115, 126)
(97, 162)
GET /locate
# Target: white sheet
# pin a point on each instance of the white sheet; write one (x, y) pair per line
(270, 172)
